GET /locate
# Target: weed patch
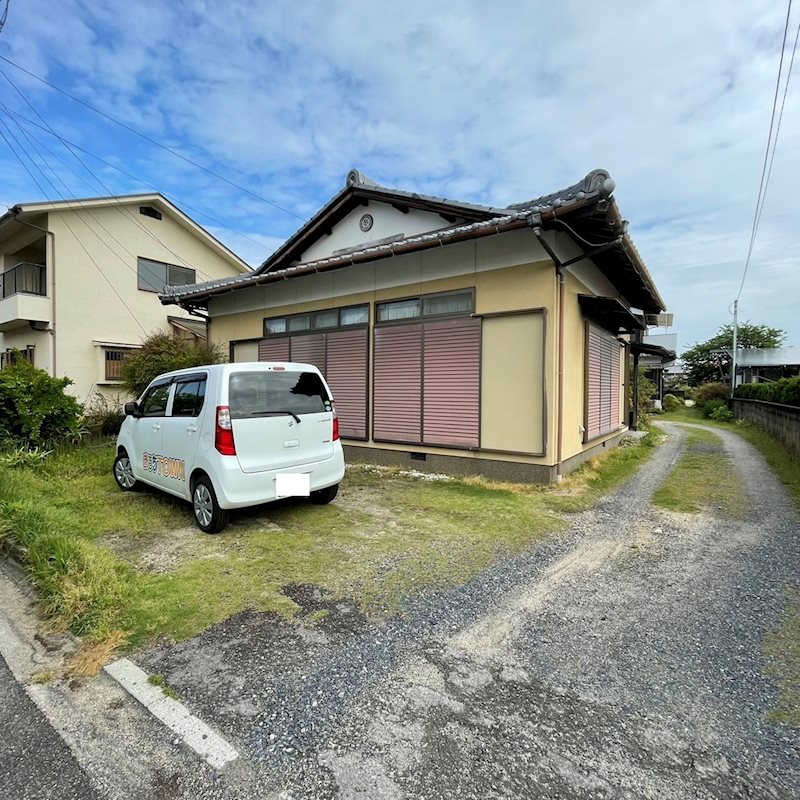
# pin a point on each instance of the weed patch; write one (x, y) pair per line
(783, 650)
(124, 569)
(703, 479)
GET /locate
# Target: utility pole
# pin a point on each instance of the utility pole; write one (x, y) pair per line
(735, 335)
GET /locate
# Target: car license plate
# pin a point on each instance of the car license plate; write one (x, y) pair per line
(293, 485)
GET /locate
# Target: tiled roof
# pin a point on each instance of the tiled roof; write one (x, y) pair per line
(595, 185)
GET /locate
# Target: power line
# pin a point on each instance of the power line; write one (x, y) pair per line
(152, 141)
(80, 204)
(173, 198)
(763, 184)
(66, 223)
(122, 208)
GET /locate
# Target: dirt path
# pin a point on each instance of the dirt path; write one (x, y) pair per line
(622, 660)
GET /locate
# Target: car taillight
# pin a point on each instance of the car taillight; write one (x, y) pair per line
(335, 427)
(223, 436)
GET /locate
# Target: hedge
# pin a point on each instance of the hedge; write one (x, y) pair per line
(785, 391)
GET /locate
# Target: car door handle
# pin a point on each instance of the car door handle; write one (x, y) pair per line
(191, 429)
(156, 427)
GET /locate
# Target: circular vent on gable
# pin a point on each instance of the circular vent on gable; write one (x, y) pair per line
(365, 223)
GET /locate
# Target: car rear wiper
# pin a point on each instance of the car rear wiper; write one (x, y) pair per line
(275, 413)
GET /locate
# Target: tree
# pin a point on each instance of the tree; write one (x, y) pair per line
(163, 352)
(711, 360)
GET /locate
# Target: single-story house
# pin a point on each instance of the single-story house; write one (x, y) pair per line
(754, 365)
(455, 337)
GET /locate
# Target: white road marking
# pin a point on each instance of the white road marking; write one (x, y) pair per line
(193, 731)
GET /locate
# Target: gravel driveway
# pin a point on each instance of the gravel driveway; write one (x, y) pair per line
(623, 659)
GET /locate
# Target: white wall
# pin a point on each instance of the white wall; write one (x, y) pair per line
(387, 221)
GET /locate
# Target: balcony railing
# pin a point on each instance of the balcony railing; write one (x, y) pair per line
(24, 278)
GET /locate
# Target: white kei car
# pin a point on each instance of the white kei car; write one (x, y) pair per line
(227, 436)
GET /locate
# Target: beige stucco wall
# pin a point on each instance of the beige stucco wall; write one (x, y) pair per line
(88, 309)
(515, 371)
(509, 273)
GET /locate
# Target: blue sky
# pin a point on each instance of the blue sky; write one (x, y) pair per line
(465, 101)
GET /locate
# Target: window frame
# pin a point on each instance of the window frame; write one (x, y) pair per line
(421, 298)
(150, 390)
(185, 380)
(312, 328)
(167, 267)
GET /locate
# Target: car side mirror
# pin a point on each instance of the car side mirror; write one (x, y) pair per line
(131, 409)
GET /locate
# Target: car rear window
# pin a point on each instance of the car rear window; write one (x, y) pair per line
(252, 394)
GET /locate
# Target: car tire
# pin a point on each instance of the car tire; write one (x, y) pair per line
(208, 515)
(323, 496)
(123, 473)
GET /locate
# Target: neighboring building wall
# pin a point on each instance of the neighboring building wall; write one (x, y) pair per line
(782, 422)
(89, 310)
(510, 274)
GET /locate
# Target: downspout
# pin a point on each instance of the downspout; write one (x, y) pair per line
(51, 269)
(561, 282)
(635, 411)
(535, 222)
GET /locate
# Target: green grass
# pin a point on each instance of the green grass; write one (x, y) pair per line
(784, 464)
(703, 479)
(133, 566)
(783, 650)
(168, 691)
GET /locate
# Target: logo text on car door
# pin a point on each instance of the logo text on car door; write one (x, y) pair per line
(163, 465)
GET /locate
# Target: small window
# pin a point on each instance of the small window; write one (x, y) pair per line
(300, 322)
(399, 309)
(277, 325)
(355, 315)
(149, 211)
(114, 359)
(155, 275)
(441, 304)
(260, 394)
(326, 319)
(188, 400)
(154, 403)
(180, 276)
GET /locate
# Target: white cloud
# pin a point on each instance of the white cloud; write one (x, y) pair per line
(468, 101)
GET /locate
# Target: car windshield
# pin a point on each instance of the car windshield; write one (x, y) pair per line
(253, 394)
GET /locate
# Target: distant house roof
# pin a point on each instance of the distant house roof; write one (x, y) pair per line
(585, 210)
(769, 357)
(154, 199)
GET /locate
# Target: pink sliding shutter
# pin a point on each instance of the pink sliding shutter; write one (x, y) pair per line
(451, 382)
(594, 359)
(398, 383)
(309, 349)
(602, 382)
(346, 374)
(273, 350)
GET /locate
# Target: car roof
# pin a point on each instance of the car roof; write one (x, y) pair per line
(244, 366)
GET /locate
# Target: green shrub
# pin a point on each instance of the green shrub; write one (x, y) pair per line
(721, 414)
(671, 403)
(710, 406)
(785, 391)
(104, 415)
(163, 352)
(23, 457)
(710, 391)
(35, 410)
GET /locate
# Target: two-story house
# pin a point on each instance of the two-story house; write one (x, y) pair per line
(80, 279)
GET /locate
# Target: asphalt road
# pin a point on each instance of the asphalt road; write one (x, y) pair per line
(34, 761)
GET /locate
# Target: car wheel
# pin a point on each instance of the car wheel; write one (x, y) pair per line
(207, 512)
(323, 496)
(123, 473)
